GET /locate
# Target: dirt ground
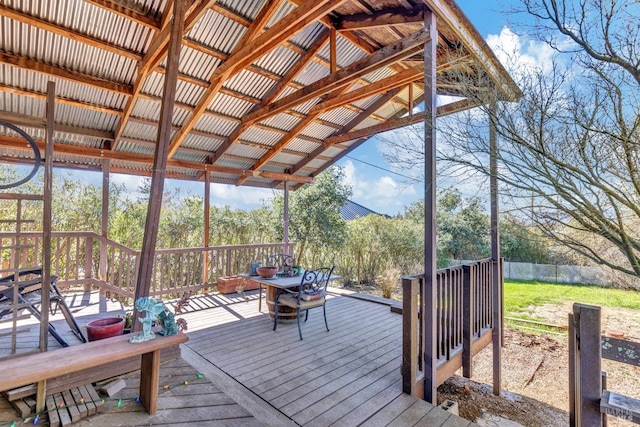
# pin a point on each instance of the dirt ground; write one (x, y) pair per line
(535, 372)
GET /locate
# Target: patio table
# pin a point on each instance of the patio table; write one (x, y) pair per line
(275, 285)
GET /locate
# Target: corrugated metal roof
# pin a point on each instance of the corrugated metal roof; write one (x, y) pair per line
(352, 210)
(97, 78)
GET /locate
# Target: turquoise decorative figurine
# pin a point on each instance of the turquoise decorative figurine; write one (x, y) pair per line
(152, 308)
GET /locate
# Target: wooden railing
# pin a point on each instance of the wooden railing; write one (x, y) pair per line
(86, 258)
(463, 312)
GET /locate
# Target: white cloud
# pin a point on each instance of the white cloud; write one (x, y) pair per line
(520, 55)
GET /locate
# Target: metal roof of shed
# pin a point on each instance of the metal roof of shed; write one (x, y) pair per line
(267, 123)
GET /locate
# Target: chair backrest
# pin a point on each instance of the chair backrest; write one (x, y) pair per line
(314, 282)
(282, 261)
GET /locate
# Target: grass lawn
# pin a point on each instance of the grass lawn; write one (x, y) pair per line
(518, 295)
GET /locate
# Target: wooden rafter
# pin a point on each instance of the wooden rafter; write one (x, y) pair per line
(99, 154)
(386, 56)
(379, 103)
(277, 89)
(397, 123)
(70, 34)
(381, 19)
(74, 76)
(134, 15)
(308, 12)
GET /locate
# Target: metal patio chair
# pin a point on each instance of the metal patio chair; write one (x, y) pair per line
(312, 293)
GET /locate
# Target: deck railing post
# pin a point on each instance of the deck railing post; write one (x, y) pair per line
(410, 336)
(88, 262)
(585, 372)
(468, 304)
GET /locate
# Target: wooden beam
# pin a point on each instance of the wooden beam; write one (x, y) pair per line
(38, 123)
(380, 86)
(349, 126)
(99, 154)
(333, 52)
(296, 21)
(70, 34)
(382, 18)
(138, 17)
(384, 57)
(74, 76)
(397, 123)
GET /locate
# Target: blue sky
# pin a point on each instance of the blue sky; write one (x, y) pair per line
(376, 188)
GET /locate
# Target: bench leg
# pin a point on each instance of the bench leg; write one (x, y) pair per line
(149, 381)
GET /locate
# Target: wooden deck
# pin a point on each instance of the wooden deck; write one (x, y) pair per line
(346, 377)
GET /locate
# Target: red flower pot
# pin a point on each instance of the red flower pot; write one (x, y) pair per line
(105, 328)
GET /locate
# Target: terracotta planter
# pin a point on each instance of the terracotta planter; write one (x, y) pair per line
(105, 328)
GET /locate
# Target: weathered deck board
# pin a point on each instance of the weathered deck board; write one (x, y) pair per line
(348, 376)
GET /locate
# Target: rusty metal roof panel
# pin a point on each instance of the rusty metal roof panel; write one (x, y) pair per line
(319, 131)
(305, 107)
(147, 109)
(347, 52)
(201, 142)
(197, 64)
(302, 145)
(128, 146)
(261, 136)
(250, 83)
(282, 121)
(308, 35)
(340, 116)
(217, 31)
(229, 105)
(215, 125)
(37, 82)
(248, 151)
(278, 60)
(83, 117)
(40, 45)
(311, 73)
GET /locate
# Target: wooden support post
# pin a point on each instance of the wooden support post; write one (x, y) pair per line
(147, 255)
(468, 304)
(496, 333)
(428, 305)
(88, 262)
(411, 99)
(585, 374)
(285, 220)
(333, 54)
(106, 166)
(207, 230)
(410, 337)
(149, 378)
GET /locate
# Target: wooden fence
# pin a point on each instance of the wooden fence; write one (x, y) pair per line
(86, 258)
(463, 327)
(589, 401)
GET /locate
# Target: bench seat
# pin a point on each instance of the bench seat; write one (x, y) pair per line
(32, 368)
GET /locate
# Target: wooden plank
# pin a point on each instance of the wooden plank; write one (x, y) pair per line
(79, 401)
(619, 406)
(26, 370)
(70, 404)
(149, 381)
(621, 351)
(54, 419)
(390, 412)
(63, 414)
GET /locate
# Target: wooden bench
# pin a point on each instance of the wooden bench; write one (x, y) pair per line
(39, 367)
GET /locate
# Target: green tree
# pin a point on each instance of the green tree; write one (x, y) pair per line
(315, 222)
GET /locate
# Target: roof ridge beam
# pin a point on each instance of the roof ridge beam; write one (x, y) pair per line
(380, 18)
